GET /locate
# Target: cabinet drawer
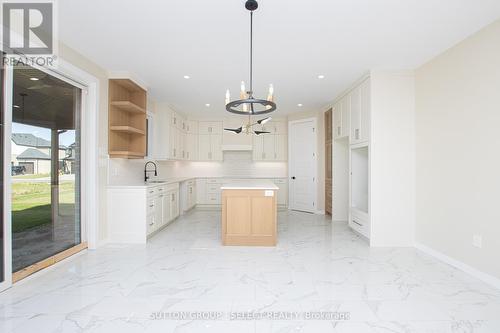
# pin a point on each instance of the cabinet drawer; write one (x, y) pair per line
(214, 181)
(279, 181)
(150, 206)
(360, 223)
(213, 198)
(213, 188)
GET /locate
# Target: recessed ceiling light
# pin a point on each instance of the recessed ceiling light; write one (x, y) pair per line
(207, 105)
(16, 106)
(321, 76)
(34, 79)
(299, 105)
(187, 77)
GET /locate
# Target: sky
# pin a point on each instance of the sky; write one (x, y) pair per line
(65, 139)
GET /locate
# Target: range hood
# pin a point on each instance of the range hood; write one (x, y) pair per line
(237, 147)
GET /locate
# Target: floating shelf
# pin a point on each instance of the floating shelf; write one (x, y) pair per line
(126, 154)
(128, 107)
(127, 129)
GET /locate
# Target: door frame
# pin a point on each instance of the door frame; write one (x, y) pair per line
(89, 212)
(314, 121)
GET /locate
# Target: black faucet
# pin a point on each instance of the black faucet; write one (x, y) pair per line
(146, 170)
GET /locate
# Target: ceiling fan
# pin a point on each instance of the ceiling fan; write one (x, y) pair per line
(247, 129)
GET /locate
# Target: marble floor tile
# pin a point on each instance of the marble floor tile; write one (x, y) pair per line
(321, 277)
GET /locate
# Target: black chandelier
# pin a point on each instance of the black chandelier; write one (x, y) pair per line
(247, 104)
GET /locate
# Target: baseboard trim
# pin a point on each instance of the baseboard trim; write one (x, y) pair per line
(486, 278)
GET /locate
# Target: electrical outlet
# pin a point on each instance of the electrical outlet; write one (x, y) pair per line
(477, 241)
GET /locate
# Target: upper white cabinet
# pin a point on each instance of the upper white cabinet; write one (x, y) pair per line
(210, 141)
(271, 146)
(341, 117)
(210, 127)
(360, 113)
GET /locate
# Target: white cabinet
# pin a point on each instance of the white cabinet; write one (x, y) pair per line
(210, 127)
(270, 147)
(341, 117)
(191, 147)
(281, 151)
(210, 147)
(188, 194)
(360, 113)
(136, 212)
(282, 192)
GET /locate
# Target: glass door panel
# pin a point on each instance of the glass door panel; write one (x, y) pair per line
(45, 167)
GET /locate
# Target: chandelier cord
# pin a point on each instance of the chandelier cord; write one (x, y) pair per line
(251, 54)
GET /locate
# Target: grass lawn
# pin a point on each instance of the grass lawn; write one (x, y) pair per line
(40, 175)
(31, 203)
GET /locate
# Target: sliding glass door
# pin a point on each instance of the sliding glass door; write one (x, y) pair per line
(45, 169)
(3, 250)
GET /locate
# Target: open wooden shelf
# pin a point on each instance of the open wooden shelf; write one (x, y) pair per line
(127, 119)
(128, 107)
(126, 154)
(127, 129)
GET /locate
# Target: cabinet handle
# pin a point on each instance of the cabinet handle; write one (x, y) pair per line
(356, 133)
(338, 130)
(209, 129)
(173, 197)
(175, 153)
(356, 222)
(151, 206)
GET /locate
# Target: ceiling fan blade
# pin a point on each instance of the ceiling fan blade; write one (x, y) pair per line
(235, 130)
(261, 132)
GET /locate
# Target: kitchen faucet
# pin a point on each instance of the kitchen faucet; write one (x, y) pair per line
(146, 170)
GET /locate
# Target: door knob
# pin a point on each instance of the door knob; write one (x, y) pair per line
(293, 177)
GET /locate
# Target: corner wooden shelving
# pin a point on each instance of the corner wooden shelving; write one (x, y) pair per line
(127, 119)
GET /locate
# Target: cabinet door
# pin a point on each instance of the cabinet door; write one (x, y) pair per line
(269, 147)
(346, 116)
(365, 111)
(174, 204)
(174, 153)
(258, 147)
(166, 209)
(337, 120)
(355, 134)
(174, 119)
(280, 127)
(204, 152)
(281, 147)
(158, 212)
(216, 147)
(191, 147)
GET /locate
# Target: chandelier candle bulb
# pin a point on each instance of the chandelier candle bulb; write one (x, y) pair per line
(228, 96)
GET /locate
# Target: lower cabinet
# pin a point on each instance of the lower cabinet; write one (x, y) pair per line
(136, 212)
(188, 195)
(209, 192)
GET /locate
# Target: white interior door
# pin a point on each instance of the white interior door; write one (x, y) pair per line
(302, 165)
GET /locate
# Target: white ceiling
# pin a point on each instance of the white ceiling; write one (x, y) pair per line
(295, 41)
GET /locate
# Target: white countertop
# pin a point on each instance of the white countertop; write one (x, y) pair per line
(250, 184)
(159, 182)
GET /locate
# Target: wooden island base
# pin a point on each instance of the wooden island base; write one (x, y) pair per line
(249, 214)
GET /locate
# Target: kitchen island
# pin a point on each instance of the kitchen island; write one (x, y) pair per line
(249, 213)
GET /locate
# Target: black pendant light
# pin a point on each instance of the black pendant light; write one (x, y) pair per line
(248, 104)
(248, 128)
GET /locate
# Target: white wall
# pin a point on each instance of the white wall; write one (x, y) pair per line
(458, 151)
(392, 153)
